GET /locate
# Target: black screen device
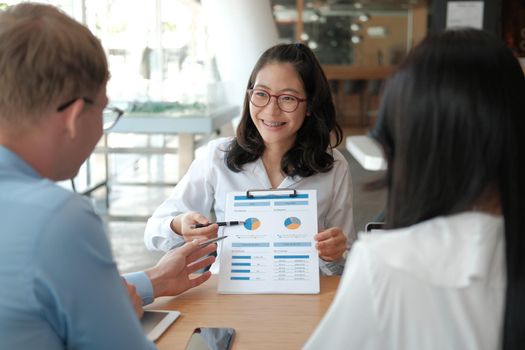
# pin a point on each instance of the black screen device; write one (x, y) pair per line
(207, 338)
(373, 226)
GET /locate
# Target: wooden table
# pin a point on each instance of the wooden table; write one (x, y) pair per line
(280, 321)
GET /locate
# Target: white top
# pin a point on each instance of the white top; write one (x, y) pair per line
(208, 180)
(439, 284)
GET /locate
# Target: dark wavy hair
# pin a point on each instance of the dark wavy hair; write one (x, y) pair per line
(452, 127)
(308, 155)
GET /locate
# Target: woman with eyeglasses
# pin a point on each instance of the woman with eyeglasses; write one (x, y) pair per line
(284, 140)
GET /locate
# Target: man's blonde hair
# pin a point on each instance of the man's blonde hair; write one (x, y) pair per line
(46, 59)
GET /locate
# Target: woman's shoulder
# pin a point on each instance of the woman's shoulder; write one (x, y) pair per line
(221, 143)
(217, 148)
(427, 249)
(339, 157)
(337, 154)
(340, 162)
(440, 228)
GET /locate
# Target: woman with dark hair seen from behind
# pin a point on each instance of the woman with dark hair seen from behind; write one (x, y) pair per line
(283, 141)
(449, 272)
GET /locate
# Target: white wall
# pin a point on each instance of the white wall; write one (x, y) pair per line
(240, 31)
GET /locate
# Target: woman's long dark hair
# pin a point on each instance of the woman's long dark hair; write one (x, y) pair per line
(308, 155)
(452, 127)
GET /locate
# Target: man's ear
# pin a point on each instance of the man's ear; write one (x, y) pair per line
(71, 117)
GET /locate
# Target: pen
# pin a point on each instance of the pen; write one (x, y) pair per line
(201, 244)
(220, 223)
(210, 241)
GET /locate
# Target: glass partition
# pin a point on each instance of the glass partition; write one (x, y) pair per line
(364, 33)
(359, 43)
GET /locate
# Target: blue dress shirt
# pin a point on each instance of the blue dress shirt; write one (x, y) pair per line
(59, 285)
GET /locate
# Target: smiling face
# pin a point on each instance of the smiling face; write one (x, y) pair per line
(278, 128)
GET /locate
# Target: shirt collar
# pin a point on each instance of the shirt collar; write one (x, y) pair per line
(259, 171)
(10, 159)
(448, 251)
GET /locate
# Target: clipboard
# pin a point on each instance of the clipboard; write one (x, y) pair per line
(273, 252)
(272, 192)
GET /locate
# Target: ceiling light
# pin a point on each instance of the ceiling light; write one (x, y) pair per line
(364, 17)
(355, 39)
(312, 44)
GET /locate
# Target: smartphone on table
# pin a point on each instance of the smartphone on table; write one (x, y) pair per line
(208, 338)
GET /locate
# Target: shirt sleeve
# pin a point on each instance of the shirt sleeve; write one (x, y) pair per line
(351, 321)
(77, 286)
(340, 213)
(143, 286)
(194, 192)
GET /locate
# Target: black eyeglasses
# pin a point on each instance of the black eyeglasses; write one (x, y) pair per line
(286, 103)
(110, 115)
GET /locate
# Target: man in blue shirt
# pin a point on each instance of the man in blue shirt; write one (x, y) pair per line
(59, 285)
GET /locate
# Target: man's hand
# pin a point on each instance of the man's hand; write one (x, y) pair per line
(135, 299)
(171, 275)
(331, 244)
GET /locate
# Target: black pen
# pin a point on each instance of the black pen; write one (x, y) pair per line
(220, 223)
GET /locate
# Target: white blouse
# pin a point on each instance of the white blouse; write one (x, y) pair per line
(439, 284)
(208, 180)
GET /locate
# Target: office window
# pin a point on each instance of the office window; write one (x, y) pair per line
(157, 50)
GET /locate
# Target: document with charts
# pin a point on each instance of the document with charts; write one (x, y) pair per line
(274, 250)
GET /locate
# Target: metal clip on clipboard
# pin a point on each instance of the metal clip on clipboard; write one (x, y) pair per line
(278, 192)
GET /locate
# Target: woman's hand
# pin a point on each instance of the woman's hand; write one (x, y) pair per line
(184, 225)
(331, 244)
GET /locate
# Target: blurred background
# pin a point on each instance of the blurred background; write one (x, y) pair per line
(179, 70)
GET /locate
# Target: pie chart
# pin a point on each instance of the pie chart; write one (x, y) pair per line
(252, 224)
(292, 223)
